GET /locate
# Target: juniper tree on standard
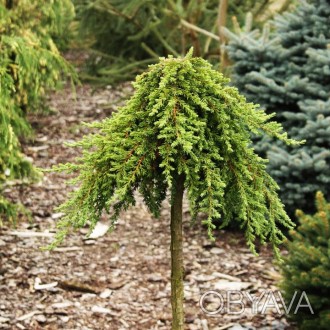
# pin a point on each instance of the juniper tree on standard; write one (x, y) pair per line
(183, 129)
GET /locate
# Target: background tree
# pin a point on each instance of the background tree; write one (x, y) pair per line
(307, 267)
(183, 129)
(30, 64)
(286, 70)
(127, 35)
(12, 162)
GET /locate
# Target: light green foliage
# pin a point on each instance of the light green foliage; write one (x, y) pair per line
(30, 64)
(307, 267)
(47, 19)
(127, 35)
(182, 119)
(28, 50)
(12, 163)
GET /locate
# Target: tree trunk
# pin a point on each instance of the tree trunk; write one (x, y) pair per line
(9, 4)
(222, 19)
(177, 256)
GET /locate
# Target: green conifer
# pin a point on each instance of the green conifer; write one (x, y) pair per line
(183, 129)
(287, 72)
(13, 164)
(307, 267)
(30, 64)
(127, 35)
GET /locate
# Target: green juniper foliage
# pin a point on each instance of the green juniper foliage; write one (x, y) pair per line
(12, 162)
(183, 119)
(30, 64)
(286, 70)
(307, 267)
(28, 49)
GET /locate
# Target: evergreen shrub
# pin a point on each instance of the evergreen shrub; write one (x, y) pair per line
(30, 64)
(182, 119)
(286, 70)
(307, 267)
(184, 128)
(127, 35)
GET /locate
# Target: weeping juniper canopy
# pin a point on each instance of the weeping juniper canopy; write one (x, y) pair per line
(183, 119)
(183, 129)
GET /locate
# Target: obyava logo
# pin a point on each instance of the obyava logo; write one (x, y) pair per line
(234, 302)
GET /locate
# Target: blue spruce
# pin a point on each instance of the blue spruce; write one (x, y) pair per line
(287, 71)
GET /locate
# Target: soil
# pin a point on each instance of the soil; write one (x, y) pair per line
(119, 280)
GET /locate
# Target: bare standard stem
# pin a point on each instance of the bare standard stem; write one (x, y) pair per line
(177, 293)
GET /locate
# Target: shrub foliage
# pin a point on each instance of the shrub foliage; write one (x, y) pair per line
(307, 266)
(127, 35)
(183, 119)
(30, 64)
(286, 70)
